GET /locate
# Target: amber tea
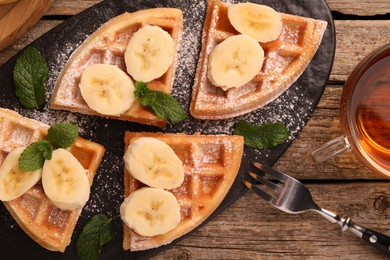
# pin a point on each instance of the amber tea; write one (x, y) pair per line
(365, 110)
(371, 101)
(365, 114)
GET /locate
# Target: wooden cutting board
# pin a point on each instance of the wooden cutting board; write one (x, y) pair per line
(18, 16)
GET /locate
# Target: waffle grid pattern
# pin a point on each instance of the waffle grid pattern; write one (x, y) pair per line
(49, 226)
(108, 45)
(285, 60)
(210, 165)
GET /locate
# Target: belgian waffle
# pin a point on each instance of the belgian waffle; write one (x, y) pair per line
(49, 226)
(108, 45)
(210, 165)
(285, 60)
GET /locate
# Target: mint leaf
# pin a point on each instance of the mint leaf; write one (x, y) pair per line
(33, 157)
(262, 136)
(62, 135)
(141, 90)
(30, 74)
(162, 104)
(95, 234)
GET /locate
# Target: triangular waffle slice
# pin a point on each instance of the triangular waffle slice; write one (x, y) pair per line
(107, 45)
(49, 226)
(211, 163)
(285, 60)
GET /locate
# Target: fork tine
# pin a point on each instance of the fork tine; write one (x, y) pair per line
(258, 191)
(278, 175)
(260, 178)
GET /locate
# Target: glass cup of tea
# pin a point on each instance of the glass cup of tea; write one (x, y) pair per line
(365, 114)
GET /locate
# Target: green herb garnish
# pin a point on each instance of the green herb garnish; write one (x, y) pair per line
(163, 105)
(30, 74)
(95, 234)
(61, 135)
(262, 136)
(34, 156)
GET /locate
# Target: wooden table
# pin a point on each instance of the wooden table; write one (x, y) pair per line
(251, 228)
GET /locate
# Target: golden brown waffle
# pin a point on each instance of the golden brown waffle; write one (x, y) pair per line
(285, 60)
(49, 226)
(211, 163)
(107, 45)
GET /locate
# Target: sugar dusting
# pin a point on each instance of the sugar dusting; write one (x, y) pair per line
(287, 108)
(293, 108)
(193, 16)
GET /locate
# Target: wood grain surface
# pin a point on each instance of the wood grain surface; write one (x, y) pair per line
(252, 229)
(17, 17)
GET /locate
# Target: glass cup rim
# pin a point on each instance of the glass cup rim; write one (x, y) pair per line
(347, 115)
(363, 64)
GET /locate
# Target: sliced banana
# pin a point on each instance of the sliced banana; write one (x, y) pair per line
(151, 211)
(107, 89)
(13, 181)
(65, 181)
(260, 22)
(235, 61)
(154, 163)
(149, 54)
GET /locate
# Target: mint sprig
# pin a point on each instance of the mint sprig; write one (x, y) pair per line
(163, 105)
(264, 136)
(30, 73)
(61, 135)
(96, 233)
(34, 156)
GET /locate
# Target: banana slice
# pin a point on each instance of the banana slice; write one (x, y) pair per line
(154, 163)
(151, 211)
(107, 89)
(149, 54)
(13, 181)
(65, 181)
(260, 22)
(235, 61)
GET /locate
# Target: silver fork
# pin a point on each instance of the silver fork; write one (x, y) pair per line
(292, 196)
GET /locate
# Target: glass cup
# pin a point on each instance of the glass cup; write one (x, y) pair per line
(365, 114)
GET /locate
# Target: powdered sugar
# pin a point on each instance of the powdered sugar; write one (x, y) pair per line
(286, 109)
(292, 108)
(190, 48)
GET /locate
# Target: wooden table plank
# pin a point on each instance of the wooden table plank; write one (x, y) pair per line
(16, 18)
(354, 40)
(323, 126)
(253, 229)
(360, 7)
(356, 7)
(40, 28)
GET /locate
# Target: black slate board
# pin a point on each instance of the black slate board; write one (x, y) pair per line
(293, 108)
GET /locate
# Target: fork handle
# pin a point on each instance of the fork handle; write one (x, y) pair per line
(377, 240)
(373, 238)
